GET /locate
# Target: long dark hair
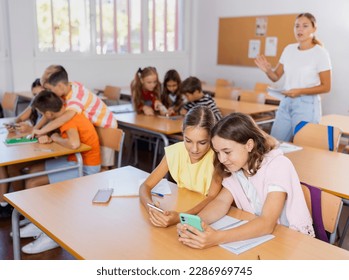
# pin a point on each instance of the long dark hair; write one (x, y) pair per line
(240, 128)
(171, 75)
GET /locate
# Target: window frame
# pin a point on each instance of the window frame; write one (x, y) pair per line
(92, 53)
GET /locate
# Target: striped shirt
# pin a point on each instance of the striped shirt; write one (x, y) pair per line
(81, 100)
(207, 101)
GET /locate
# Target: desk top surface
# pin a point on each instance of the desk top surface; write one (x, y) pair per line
(324, 169)
(153, 123)
(121, 229)
(244, 107)
(32, 151)
(339, 121)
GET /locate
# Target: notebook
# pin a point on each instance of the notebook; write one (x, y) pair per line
(275, 92)
(288, 148)
(132, 189)
(19, 141)
(238, 247)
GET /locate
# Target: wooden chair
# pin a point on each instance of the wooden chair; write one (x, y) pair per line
(226, 93)
(263, 119)
(223, 83)
(261, 87)
(331, 208)
(9, 104)
(317, 135)
(252, 97)
(114, 139)
(110, 95)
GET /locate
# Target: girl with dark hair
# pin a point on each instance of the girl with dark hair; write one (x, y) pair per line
(307, 68)
(190, 164)
(171, 96)
(29, 114)
(258, 178)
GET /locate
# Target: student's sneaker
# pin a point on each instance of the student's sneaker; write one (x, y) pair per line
(41, 244)
(30, 230)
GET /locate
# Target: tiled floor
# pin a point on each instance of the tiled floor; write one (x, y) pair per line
(145, 161)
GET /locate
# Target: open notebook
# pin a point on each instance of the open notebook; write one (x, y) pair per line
(238, 247)
(130, 187)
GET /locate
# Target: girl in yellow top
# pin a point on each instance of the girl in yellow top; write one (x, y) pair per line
(190, 164)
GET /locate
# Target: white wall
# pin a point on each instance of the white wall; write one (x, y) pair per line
(333, 31)
(93, 71)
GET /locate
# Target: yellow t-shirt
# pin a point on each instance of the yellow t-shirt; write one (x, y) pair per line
(193, 176)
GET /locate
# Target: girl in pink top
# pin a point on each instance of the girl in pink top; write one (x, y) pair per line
(258, 178)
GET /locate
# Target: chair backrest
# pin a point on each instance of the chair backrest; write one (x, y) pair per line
(329, 206)
(9, 104)
(112, 138)
(226, 93)
(317, 135)
(261, 87)
(252, 97)
(223, 83)
(112, 92)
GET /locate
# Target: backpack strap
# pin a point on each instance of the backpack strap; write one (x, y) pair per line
(315, 194)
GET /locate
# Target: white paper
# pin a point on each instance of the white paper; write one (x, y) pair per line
(288, 147)
(254, 48)
(271, 44)
(238, 247)
(162, 187)
(277, 93)
(132, 189)
(261, 26)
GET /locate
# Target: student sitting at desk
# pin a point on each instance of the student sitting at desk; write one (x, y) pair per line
(78, 99)
(191, 88)
(145, 90)
(258, 178)
(77, 130)
(171, 96)
(190, 164)
(30, 114)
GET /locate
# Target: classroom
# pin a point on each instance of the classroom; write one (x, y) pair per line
(192, 45)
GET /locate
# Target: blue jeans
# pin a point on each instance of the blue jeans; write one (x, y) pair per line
(293, 110)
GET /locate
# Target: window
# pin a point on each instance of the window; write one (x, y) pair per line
(164, 19)
(109, 26)
(63, 25)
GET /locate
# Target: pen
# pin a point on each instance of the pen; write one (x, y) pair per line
(157, 194)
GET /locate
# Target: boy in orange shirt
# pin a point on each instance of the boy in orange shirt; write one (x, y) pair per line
(72, 133)
(78, 100)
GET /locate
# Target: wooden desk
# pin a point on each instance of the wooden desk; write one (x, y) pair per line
(120, 230)
(229, 106)
(159, 127)
(34, 151)
(324, 169)
(339, 121)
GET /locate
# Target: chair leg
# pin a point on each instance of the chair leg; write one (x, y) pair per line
(344, 233)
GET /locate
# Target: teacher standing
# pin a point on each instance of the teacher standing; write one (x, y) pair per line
(307, 68)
